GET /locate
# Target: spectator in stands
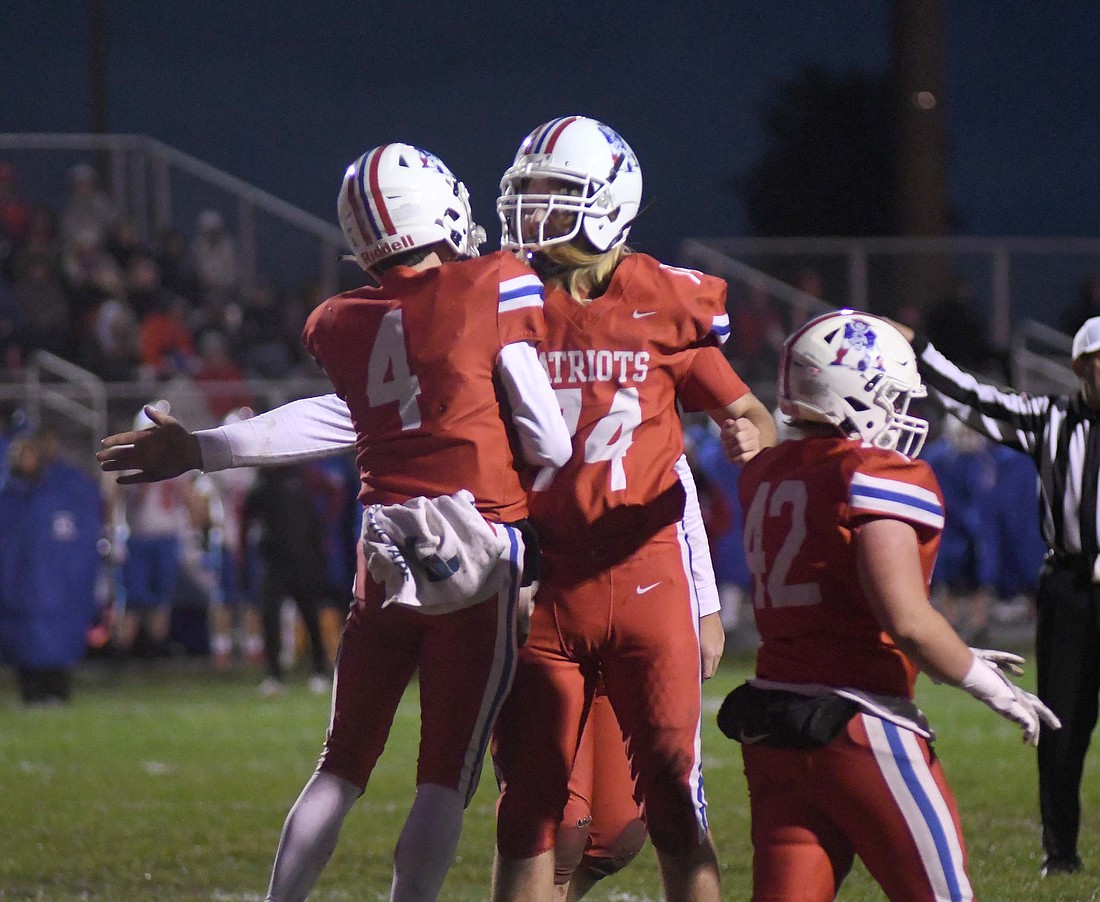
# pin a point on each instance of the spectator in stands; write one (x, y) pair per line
(266, 345)
(124, 243)
(219, 377)
(144, 289)
(91, 276)
(281, 506)
(15, 213)
(52, 516)
(45, 309)
(213, 260)
(297, 305)
(109, 348)
(170, 254)
(89, 213)
(1086, 307)
(165, 345)
(39, 245)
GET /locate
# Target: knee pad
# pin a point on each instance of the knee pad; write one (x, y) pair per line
(620, 852)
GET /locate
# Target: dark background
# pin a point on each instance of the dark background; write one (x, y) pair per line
(284, 95)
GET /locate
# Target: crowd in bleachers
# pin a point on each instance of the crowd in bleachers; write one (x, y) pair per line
(81, 282)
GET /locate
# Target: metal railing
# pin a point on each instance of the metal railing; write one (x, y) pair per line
(79, 397)
(84, 408)
(1015, 277)
(159, 187)
(1039, 355)
(1041, 360)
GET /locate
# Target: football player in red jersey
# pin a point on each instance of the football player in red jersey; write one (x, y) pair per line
(628, 338)
(427, 365)
(841, 530)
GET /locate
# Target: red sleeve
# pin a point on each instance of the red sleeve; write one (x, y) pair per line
(702, 302)
(708, 382)
(318, 326)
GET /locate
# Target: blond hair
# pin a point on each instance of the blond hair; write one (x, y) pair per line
(584, 274)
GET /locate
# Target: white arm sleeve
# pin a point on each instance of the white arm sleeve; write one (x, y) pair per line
(302, 430)
(702, 569)
(543, 435)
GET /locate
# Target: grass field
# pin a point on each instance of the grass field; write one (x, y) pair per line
(173, 782)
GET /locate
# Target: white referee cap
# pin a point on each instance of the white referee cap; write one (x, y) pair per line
(1087, 338)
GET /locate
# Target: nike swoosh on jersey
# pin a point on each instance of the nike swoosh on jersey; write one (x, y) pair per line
(751, 739)
(638, 314)
(641, 590)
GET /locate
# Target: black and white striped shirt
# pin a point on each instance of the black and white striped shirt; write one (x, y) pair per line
(1060, 432)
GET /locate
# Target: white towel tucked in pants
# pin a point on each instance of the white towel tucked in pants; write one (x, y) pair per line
(434, 554)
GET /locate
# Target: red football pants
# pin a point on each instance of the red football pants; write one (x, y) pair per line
(466, 660)
(876, 791)
(636, 626)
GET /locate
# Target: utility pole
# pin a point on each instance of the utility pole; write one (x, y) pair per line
(97, 66)
(923, 204)
(97, 86)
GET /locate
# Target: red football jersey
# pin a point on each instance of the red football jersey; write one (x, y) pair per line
(618, 365)
(414, 360)
(801, 501)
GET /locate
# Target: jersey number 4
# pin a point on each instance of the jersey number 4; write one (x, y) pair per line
(389, 378)
(769, 584)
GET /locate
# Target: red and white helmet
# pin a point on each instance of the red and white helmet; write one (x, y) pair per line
(590, 161)
(855, 372)
(396, 198)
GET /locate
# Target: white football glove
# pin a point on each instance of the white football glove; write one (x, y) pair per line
(988, 684)
(1004, 661)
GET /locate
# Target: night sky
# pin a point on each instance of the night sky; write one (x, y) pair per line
(284, 95)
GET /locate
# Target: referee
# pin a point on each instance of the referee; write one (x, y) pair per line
(1062, 435)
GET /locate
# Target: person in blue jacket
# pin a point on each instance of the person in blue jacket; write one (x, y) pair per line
(51, 516)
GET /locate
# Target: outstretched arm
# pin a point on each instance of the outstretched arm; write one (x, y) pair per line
(307, 429)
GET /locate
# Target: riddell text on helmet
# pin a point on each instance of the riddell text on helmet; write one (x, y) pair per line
(385, 248)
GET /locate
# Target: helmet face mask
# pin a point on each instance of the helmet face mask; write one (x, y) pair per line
(571, 167)
(397, 198)
(856, 373)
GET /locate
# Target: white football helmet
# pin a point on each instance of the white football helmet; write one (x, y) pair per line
(396, 198)
(588, 160)
(855, 372)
